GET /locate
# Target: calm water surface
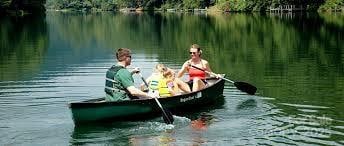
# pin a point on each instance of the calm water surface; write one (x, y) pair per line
(295, 60)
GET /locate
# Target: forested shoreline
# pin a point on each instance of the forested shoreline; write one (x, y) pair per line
(184, 5)
(22, 7)
(34, 6)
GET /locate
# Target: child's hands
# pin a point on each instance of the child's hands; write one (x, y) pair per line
(170, 85)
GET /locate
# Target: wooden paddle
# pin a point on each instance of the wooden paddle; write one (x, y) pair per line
(242, 86)
(166, 114)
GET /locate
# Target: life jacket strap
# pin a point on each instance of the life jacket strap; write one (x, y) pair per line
(115, 90)
(111, 80)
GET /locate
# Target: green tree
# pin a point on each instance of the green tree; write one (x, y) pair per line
(332, 5)
(32, 6)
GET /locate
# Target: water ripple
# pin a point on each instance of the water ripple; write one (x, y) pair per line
(305, 106)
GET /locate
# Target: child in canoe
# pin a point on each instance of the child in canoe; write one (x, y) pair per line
(153, 80)
(169, 85)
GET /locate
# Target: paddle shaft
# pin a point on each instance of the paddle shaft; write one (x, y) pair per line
(245, 87)
(208, 72)
(156, 100)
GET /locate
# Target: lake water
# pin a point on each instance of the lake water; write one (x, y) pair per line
(295, 60)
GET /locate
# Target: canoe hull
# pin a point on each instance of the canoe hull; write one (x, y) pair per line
(96, 109)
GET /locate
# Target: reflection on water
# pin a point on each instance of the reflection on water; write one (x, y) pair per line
(247, 104)
(296, 61)
(202, 122)
(135, 133)
(23, 43)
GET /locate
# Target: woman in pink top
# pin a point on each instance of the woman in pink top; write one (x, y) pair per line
(196, 77)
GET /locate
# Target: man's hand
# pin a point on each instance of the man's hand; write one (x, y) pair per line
(136, 70)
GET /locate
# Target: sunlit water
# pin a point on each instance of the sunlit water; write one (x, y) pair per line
(296, 61)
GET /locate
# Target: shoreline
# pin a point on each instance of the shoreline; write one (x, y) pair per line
(211, 10)
(206, 10)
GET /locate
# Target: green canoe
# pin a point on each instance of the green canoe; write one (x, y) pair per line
(98, 109)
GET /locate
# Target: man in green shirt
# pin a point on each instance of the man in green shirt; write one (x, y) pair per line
(119, 83)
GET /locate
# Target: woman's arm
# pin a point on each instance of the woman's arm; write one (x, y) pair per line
(209, 70)
(183, 70)
(207, 66)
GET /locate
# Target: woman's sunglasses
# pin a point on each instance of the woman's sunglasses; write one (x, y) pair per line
(192, 52)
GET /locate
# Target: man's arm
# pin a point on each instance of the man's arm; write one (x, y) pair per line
(128, 83)
(136, 92)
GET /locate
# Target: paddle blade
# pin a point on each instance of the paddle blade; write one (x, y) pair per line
(167, 116)
(246, 87)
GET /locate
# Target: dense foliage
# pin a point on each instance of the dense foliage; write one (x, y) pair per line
(222, 5)
(30, 6)
(334, 5)
(113, 5)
